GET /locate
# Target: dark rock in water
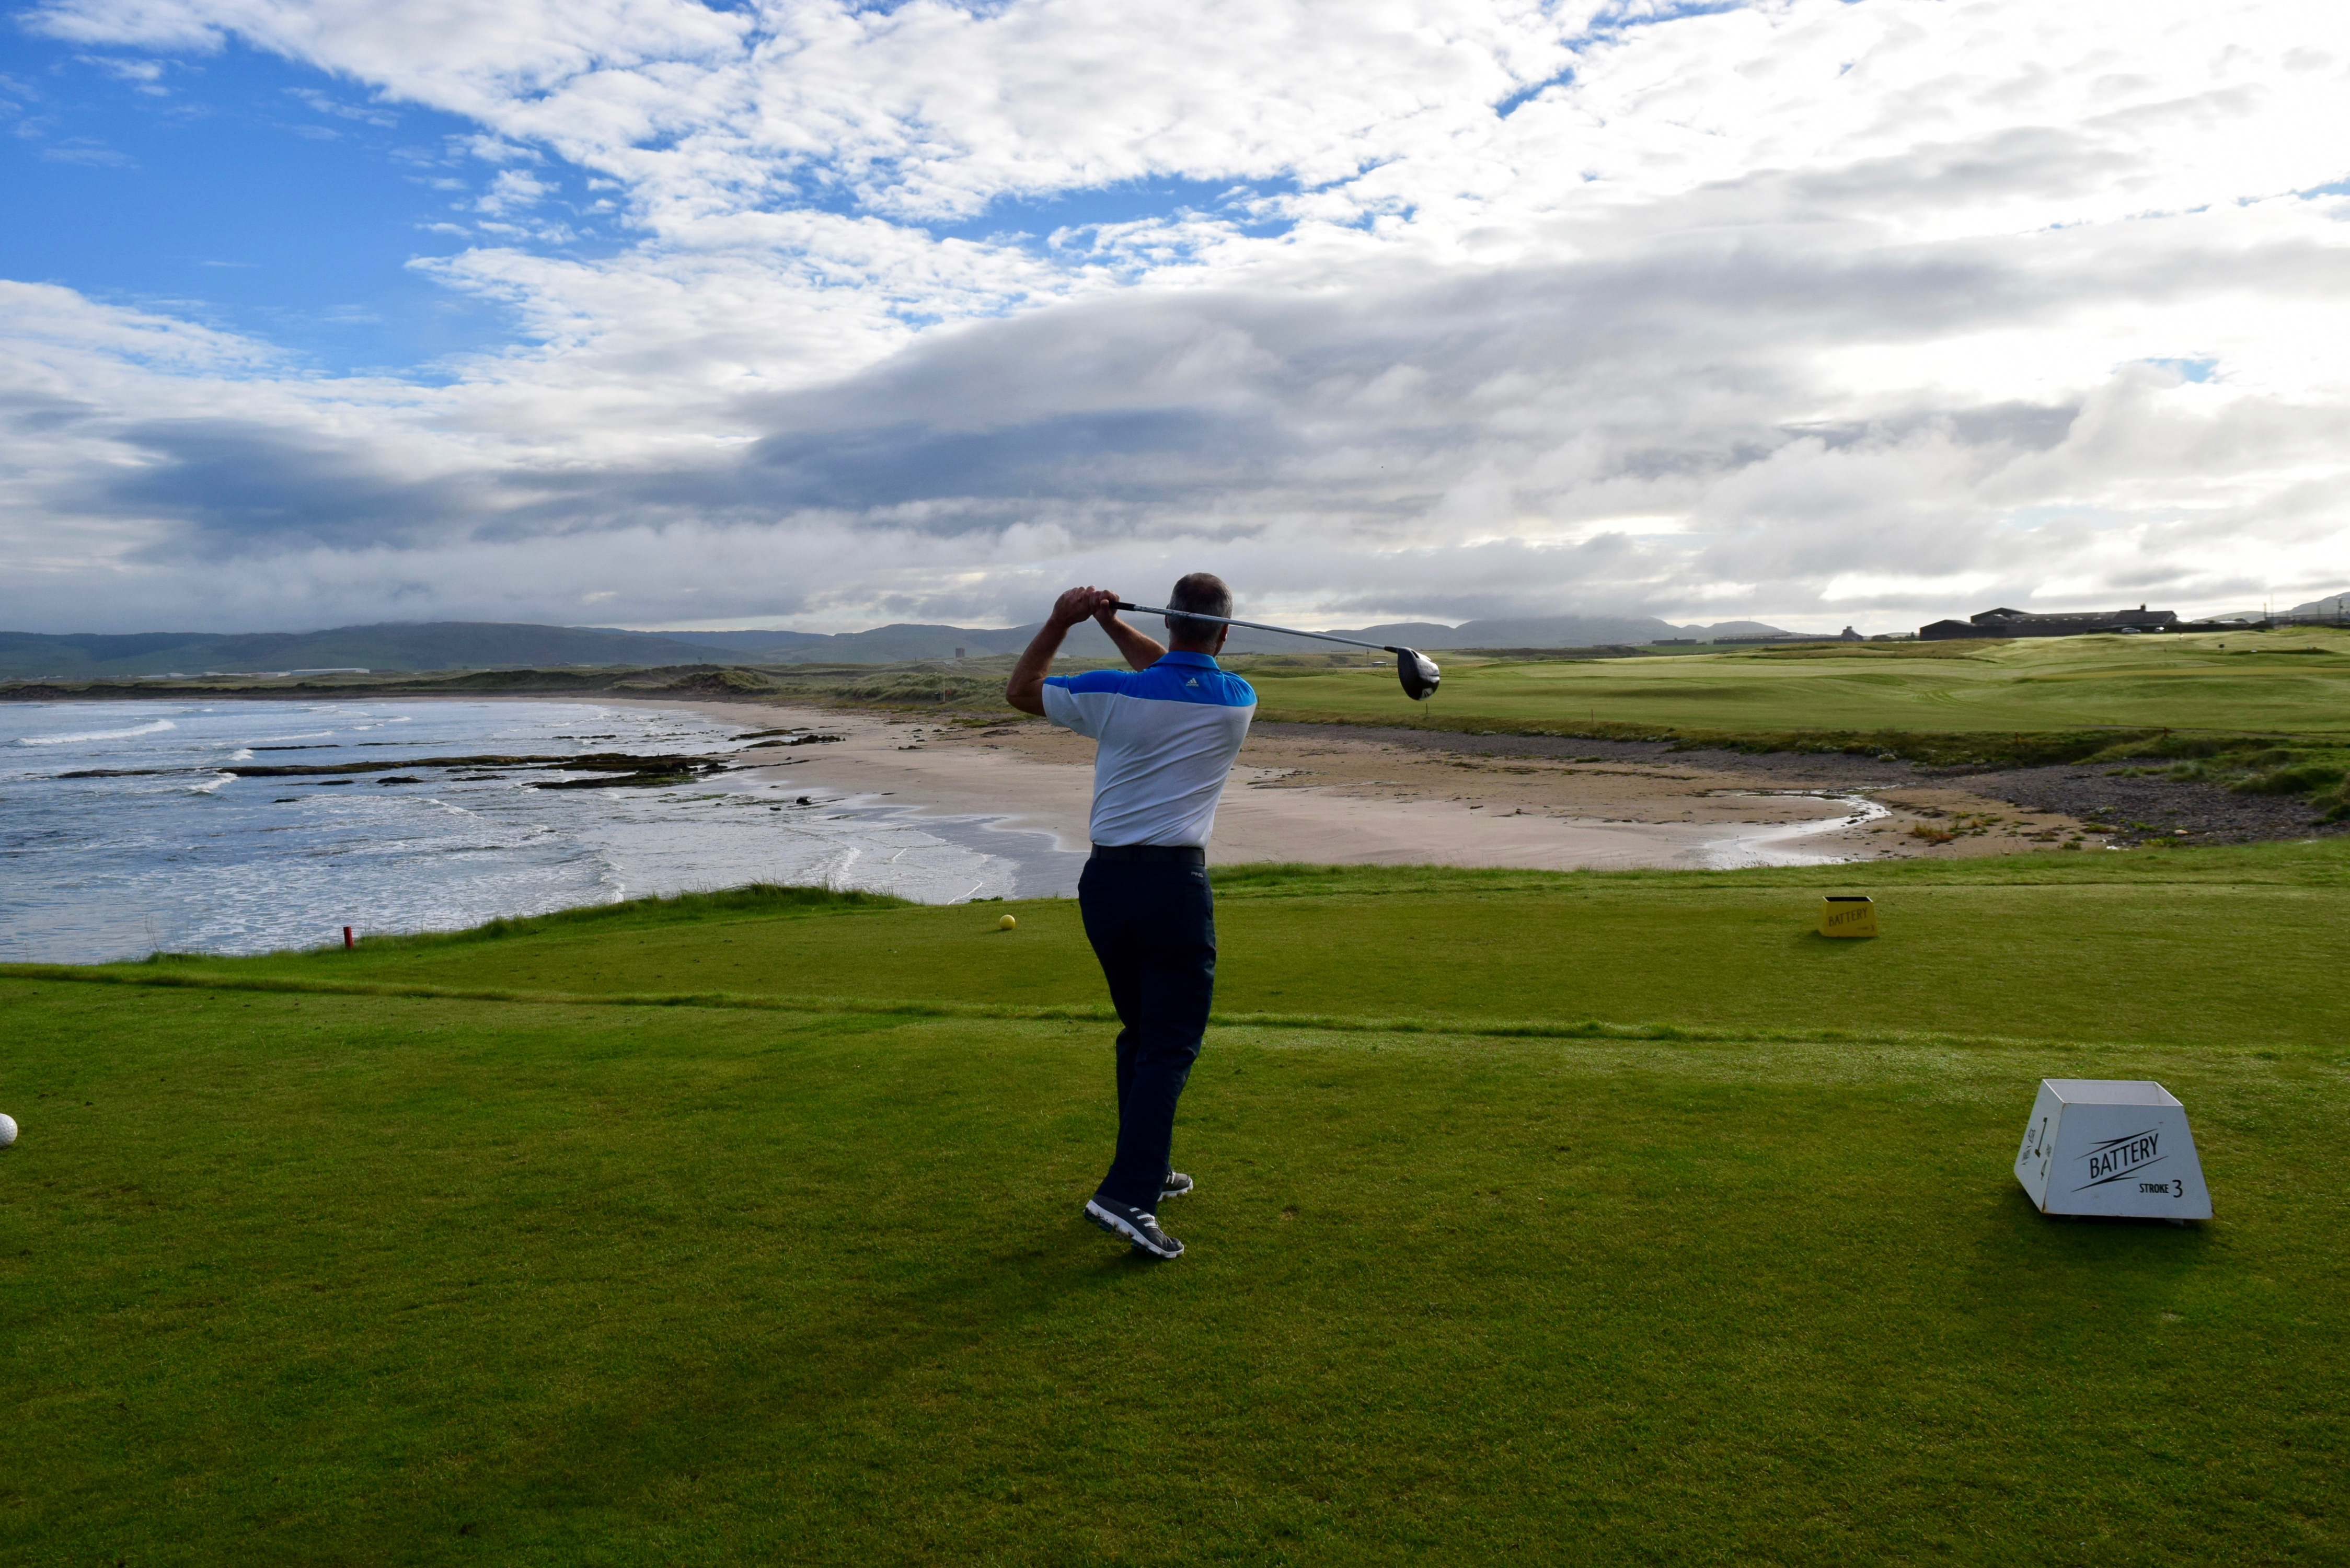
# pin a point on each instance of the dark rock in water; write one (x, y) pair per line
(629, 781)
(398, 779)
(593, 762)
(798, 739)
(306, 769)
(637, 772)
(332, 783)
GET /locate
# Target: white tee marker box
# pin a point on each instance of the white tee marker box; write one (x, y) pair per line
(2112, 1147)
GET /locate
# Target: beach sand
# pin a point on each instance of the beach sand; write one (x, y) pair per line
(1334, 795)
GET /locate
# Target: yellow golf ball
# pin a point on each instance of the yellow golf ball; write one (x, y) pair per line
(1007, 922)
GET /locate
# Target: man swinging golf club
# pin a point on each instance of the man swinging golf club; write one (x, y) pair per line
(1166, 734)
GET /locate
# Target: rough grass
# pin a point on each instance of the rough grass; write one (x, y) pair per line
(2178, 946)
(328, 1274)
(765, 899)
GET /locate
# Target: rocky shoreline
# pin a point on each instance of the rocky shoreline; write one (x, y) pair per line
(2133, 806)
(2127, 803)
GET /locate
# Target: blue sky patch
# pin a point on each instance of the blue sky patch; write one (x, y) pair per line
(252, 195)
(1030, 219)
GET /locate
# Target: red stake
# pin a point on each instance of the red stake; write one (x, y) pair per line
(347, 937)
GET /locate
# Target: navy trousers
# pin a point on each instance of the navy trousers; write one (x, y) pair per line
(1153, 927)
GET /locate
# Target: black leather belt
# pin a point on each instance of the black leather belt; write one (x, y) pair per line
(1163, 854)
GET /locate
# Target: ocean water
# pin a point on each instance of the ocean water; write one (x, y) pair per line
(188, 858)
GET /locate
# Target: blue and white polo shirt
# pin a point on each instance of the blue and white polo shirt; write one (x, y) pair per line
(1167, 738)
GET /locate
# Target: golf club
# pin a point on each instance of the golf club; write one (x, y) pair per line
(1414, 668)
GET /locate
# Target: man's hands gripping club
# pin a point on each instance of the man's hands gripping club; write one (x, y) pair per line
(1025, 690)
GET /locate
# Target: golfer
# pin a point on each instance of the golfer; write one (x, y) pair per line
(1165, 738)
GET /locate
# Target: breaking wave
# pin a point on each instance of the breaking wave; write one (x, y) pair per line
(156, 728)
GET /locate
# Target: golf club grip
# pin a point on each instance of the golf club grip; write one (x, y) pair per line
(1257, 625)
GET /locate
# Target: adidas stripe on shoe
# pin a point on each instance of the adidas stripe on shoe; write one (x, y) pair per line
(1136, 1226)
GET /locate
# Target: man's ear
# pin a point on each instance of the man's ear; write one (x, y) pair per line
(1222, 632)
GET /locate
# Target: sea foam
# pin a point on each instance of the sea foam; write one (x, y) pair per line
(158, 727)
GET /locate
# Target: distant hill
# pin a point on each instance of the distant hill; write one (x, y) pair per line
(488, 645)
(887, 644)
(881, 645)
(431, 645)
(1592, 631)
(1545, 631)
(494, 645)
(2337, 606)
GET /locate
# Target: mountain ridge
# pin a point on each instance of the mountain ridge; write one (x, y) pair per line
(423, 646)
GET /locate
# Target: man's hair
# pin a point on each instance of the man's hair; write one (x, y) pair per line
(1202, 591)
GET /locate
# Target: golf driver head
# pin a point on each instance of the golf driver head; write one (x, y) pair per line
(1418, 672)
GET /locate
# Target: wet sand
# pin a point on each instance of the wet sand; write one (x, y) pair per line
(1337, 795)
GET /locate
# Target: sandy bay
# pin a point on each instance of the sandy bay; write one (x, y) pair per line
(1341, 794)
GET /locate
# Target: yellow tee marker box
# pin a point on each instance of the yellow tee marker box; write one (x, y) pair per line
(1847, 915)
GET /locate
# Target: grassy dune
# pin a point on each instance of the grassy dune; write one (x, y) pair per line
(2293, 681)
(297, 1269)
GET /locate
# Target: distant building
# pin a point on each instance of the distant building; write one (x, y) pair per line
(1848, 635)
(1768, 636)
(2019, 623)
(1674, 642)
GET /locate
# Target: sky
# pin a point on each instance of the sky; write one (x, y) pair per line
(651, 313)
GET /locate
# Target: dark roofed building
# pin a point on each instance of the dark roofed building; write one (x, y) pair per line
(2004, 622)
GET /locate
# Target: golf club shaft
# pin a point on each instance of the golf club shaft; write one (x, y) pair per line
(1260, 625)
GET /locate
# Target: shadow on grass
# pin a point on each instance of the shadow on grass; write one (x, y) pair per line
(757, 1404)
(2064, 1277)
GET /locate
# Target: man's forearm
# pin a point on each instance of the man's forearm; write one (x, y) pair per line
(1025, 690)
(1137, 646)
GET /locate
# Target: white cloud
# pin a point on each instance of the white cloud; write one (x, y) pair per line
(146, 75)
(512, 191)
(87, 152)
(1803, 309)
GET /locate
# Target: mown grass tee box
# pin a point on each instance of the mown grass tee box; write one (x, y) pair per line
(1602, 1252)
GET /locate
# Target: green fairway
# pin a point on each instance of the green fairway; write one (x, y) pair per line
(2293, 681)
(1729, 1266)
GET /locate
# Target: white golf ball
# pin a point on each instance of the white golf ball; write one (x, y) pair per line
(8, 1131)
